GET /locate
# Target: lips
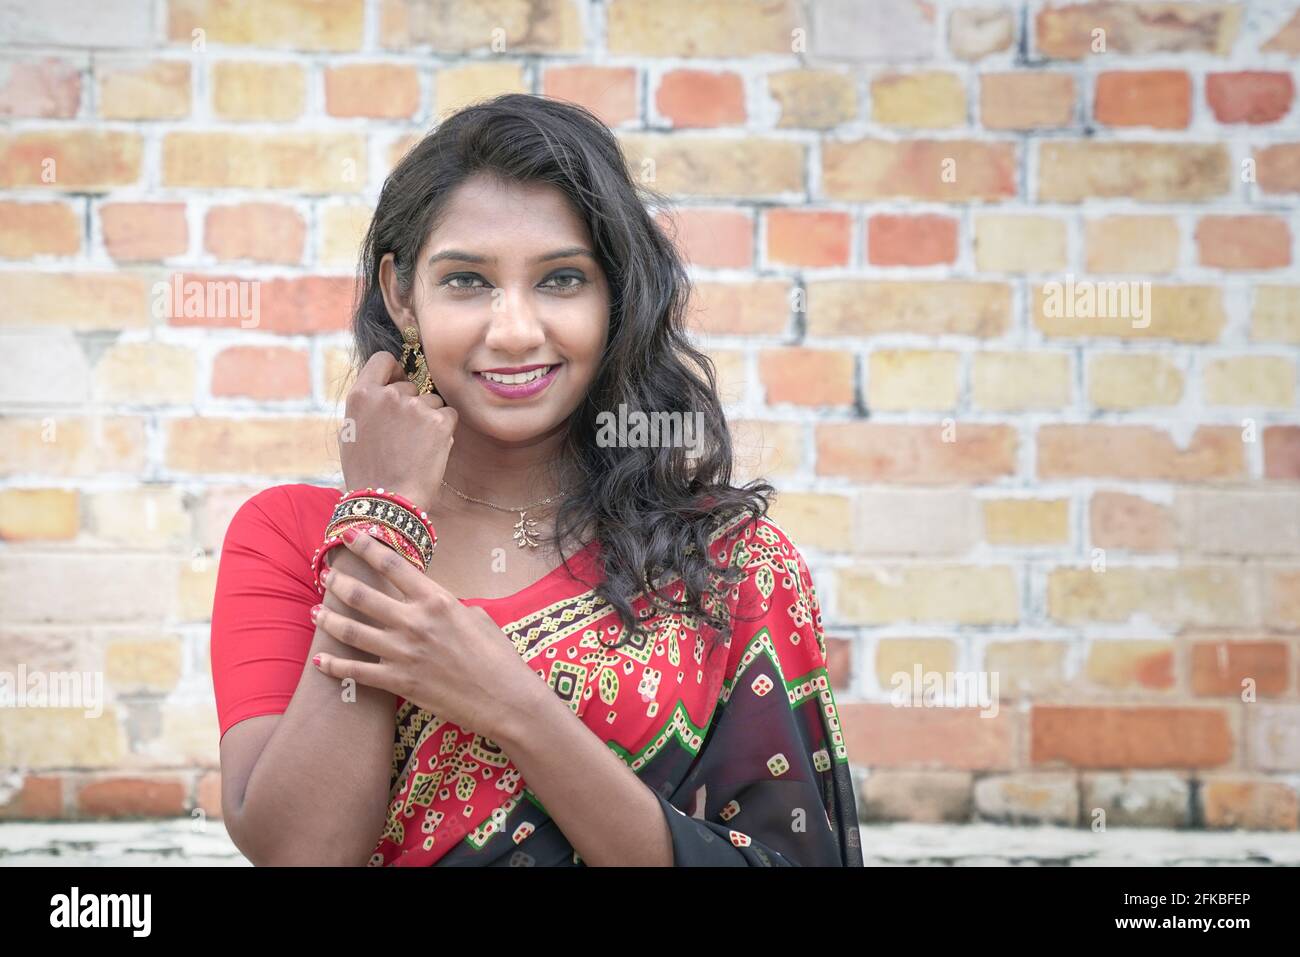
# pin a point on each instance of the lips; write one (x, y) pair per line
(520, 390)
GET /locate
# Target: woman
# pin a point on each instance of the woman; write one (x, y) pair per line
(683, 713)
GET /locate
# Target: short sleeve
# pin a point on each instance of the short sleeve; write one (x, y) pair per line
(770, 786)
(261, 622)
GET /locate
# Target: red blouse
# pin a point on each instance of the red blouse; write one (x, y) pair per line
(745, 776)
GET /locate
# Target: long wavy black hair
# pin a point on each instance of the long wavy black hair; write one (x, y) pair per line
(653, 508)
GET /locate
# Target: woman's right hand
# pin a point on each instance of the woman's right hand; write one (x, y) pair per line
(393, 438)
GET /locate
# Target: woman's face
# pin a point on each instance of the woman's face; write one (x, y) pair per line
(508, 279)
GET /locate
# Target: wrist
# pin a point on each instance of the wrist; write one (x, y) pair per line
(521, 708)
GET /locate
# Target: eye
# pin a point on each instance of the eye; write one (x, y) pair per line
(453, 281)
(572, 280)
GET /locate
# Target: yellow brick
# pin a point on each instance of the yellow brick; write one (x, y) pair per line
(85, 160)
(1192, 595)
(1133, 381)
(711, 166)
(146, 372)
(143, 665)
(145, 91)
(39, 738)
(63, 446)
(1030, 667)
(150, 517)
(269, 446)
(455, 87)
(338, 374)
(38, 514)
(919, 100)
(197, 585)
(342, 230)
(849, 307)
(1013, 381)
(499, 26)
(77, 301)
(1027, 521)
(688, 28)
(815, 519)
(813, 99)
(258, 91)
(1182, 313)
(315, 162)
(1019, 243)
(1128, 664)
(969, 595)
(904, 654)
(1250, 380)
(315, 25)
(729, 365)
(1276, 316)
(899, 379)
(766, 448)
(1131, 244)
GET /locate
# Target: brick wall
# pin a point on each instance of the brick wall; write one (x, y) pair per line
(895, 211)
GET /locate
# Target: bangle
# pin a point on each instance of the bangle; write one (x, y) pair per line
(392, 518)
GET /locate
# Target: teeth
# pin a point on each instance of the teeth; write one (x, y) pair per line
(517, 377)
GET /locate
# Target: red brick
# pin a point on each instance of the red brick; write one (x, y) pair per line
(807, 376)
(921, 240)
(1243, 242)
(1120, 520)
(1277, 168)
(1282, 452)
(804, 237)
(1249, 96)
(123, 797)
(378, 90)
(609, 92)
(39, 229)
(1084, 737)
(39, 799)
(296, 306)
(47, 87)
(883, 736)
(260, 372)
(713, 238)
(1220, 667)
(701, 98)
(262, 232)
(1139, 452)
(888, 452)
(144, 231)
(1157, 98)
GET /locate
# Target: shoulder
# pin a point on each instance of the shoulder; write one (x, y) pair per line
(776, 595)
(296, 513)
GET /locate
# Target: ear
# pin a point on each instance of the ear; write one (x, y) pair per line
(400, 313)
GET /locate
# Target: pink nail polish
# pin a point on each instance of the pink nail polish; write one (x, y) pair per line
(316, 660)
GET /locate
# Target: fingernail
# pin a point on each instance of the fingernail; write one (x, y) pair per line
(316, 660)
(315, 612)
(324, 576)
(350, 534)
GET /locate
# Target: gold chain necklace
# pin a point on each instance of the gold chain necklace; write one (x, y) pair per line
(525, 528)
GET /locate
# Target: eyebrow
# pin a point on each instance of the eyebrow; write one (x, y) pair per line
(461, 255)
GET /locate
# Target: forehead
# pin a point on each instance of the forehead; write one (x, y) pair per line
(485, 210)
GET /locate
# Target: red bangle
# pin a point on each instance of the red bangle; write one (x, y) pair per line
(400, 523)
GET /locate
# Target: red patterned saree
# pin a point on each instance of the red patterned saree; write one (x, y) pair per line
(740, 742)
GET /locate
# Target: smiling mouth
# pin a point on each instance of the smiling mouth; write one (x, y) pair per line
(517, 378)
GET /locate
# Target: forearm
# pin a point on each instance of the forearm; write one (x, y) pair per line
(318, 793)
(608, 814)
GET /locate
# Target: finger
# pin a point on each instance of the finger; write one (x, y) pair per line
(432, 400)
(379, 370)
(371, 602)
(405, 387)
(379, 556)
(359, 635)
(370, 673)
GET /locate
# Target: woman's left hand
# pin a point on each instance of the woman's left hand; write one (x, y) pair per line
(447, 658)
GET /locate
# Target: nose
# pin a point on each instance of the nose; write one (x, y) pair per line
(514, 327)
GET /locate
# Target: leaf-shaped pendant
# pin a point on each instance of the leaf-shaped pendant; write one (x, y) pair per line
(525, 531)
